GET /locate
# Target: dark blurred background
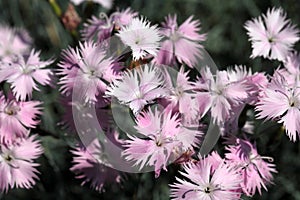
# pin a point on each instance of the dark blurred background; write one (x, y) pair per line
(227, 44)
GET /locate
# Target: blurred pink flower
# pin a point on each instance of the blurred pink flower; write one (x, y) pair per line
(87, 68)
(165, 138)
(90, 164)
(24, 74)
(13, 42)
(101, 28)
(16, 118)
(138, 87)
(273, 36)
(281, 102)
(256, 173)
(202, 181)
(141, 37)
(17, 166)
(219, 93)
(182, 43)
(105, 3)
(182, 96)
(291, 70)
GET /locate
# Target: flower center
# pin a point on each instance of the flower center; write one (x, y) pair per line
(271, 40)
(293, 102)
(11, 109)
(175, 36)
(28, 69)
(8, 158)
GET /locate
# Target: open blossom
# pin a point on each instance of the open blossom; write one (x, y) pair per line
(181, 43)
(203, 181)
(13, 42)
(105, 3)
(291, 70)
(17, 166)
(141, 37)
(16, 118)
(101, 28)
(272, 35)
(138, 87)
(90, 164)
(24, 73)
(165, 138)
(182, 96)
(88, 69)
(219, 93)
(256, 172)
(281, 102)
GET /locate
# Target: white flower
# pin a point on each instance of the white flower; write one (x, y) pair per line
(138, 88)
(142, 38)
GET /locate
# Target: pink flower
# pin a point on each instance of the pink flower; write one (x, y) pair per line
(24, 74)
(273, 36)
(13, 42)
(220, 93)
(182, 96)
(123, 18)
(256, 173)
(90, 164)
(291, 70)
(281, 102)
(138, 87)
(89, 68)
(202, 181)
(165, 138)
(16, 118)
(141, 37)
(17, 166)
(182, 43)
(105, 3)
(101, 28)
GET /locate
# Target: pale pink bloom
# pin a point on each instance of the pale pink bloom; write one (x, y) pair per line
(182, 96)
(123, 17)
(256, 172)
(182, 43)
(215, 160)
(24, 73)
(105, 3)
(138, 87)
(253, 84)
(272, 35)
(91, 165)
(141, 37)
(292, 63)
(281, 102)
(201, 181)
(165, 138)
(218, 93)
(13, 42)
(88, 68)
(16, 118)
(256, 83)
(101, 28)
(291, 70)
(17, 166)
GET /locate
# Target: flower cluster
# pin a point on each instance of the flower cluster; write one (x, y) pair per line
(22, 70)
(152, 72)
